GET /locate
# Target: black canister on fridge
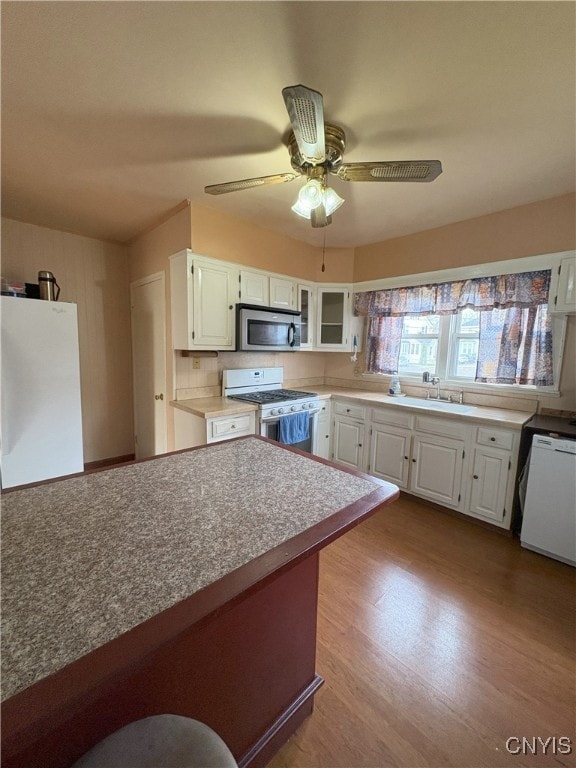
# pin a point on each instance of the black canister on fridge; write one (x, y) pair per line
(48, 287)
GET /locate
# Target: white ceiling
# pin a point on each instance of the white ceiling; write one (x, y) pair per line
(115, 112)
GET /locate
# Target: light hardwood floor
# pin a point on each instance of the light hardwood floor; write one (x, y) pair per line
(439, 640)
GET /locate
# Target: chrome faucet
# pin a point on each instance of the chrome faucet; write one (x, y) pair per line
(435, 381)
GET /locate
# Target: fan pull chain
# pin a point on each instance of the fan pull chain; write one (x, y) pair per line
(324, 251)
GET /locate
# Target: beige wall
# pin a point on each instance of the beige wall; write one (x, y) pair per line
(94, 275)
(548, 226)
(231, 239)
(150, 254)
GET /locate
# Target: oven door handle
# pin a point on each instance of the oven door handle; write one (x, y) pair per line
(267, 419)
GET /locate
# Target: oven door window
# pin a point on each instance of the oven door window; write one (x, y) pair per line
(267, 333)
(272, 433)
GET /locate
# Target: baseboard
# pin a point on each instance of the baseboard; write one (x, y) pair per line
(108, 462)
(260, 754)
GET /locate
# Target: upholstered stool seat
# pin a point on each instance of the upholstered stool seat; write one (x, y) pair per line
(162, 741)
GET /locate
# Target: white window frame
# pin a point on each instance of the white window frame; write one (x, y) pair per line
(508, 267)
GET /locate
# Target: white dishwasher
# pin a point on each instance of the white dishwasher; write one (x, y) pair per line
(549, 517)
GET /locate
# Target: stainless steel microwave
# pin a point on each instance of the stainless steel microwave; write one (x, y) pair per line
(265, 329)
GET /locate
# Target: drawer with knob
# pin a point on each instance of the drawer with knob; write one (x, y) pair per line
(230, 426)
(498, 438)
(350, 410)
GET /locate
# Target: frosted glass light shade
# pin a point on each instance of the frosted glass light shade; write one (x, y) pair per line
(310, 197)
(332, 201)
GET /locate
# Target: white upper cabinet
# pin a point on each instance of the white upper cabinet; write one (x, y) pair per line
(204, 292)
(254, 288)
(307, 308)
(283, 293)
(260, 288)
(563, 287)
(333, 317)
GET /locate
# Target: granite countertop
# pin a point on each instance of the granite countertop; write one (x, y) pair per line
(87, 558)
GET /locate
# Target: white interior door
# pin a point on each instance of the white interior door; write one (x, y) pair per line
(149, 364)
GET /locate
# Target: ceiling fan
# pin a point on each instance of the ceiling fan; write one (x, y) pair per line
(317, 149)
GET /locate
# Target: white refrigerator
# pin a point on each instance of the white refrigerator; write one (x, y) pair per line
(41, 419)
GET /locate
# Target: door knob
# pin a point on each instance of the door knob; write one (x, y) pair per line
(159, 397)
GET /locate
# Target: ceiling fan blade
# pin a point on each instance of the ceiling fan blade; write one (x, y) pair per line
(234, 186)
(306, 111)
(401, 170)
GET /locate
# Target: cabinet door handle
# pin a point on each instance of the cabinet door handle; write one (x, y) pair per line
(493, 439)
(414, 460)
(359, 445)
(406, 458)
(159, 397)
(475, 477)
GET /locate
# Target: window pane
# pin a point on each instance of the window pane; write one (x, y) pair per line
(470, 322)
(466, 356)
(417, 356)
(418, 326)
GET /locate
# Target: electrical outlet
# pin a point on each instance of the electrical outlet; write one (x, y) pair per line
(196, 362)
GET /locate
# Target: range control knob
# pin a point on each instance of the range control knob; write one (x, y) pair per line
(280, 410)
(273, 412)
(293, 408)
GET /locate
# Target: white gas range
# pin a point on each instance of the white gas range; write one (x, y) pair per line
(264, 387)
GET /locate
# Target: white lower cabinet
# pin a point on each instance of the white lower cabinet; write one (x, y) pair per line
(390, 449)
(349, 435)
(489, 482)
(191, 430)
(490, 487)
(422, 455)
(445, 460)
(436, 471)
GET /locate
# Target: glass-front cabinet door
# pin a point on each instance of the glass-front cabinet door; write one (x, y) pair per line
(333, 326)
(306, 306)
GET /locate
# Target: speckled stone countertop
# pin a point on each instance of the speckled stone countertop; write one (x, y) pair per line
(209, 407)
(87, 558)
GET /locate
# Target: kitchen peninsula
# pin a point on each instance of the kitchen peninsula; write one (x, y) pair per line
(185, 584)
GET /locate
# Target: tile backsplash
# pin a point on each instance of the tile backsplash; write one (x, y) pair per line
(308, 369)
(300, 369)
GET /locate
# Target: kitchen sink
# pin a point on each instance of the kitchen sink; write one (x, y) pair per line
(435, 405)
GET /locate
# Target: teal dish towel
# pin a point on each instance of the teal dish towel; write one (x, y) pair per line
(294, 428)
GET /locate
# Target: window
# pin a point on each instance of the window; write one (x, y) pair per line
(494, 330)
(419, 344)
(445, 346)
(464, 344)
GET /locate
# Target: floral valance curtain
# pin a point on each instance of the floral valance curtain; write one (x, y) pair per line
(515, 341)
(525, 289)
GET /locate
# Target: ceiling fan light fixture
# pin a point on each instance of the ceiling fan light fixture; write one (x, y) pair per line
(314, 194)
(310, 196)
(332, 200)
